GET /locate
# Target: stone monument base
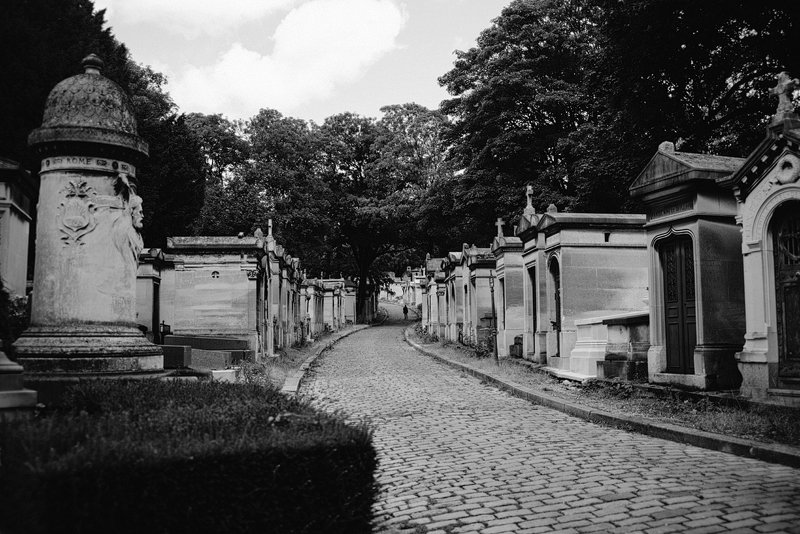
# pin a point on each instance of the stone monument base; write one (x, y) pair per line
(57, 357)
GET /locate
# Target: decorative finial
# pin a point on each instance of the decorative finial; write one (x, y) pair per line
(784, 89)
(92, 64)
(258, 233)
(667, 146)
(269, 227)
(552, 208)
(499, 224)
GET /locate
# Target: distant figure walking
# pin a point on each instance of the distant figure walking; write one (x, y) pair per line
(405, 312)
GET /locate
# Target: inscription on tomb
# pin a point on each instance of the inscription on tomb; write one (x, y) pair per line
(671, 209)
(86, 163)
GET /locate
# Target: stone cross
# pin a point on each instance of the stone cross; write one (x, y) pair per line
(499, 224)
(529, 210)
(784, 90)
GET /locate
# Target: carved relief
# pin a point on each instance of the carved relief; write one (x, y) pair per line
(76, 212)
(125, 231)
(252, 274)
(787, 171)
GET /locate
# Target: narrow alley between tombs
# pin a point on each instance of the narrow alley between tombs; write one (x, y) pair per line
(457, 455)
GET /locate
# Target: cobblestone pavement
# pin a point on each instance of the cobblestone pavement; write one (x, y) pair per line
(460, 456)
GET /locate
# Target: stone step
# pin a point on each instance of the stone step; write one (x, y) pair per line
(207, 342)
(177, 356)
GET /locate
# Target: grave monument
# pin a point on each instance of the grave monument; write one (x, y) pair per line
(83, 319)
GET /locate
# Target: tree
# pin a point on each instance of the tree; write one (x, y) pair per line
(223, 144)
(43, 42)
(517, 96)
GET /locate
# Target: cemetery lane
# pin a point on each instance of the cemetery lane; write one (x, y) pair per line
(457, 455)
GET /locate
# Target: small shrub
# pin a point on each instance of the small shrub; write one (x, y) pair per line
(484, 349)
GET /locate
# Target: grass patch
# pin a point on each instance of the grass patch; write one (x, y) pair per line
(158, 456)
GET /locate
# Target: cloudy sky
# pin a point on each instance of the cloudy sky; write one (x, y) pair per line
(306, 58)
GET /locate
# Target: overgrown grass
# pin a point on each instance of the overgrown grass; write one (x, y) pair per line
(766, 423)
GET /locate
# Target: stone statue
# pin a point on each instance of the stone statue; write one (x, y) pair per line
(784, 91)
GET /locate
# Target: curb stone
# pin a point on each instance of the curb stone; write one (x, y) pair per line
(768, 452)
(292, 383)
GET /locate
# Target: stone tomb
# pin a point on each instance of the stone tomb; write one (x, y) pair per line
(478, 266)
(696, 280)
(580, 265)
(434, 297)
(17, 195)
(208, 287)
(767, 190)
(509, 289)
(454, 296)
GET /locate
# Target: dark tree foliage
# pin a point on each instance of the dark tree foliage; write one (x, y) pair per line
(574, 97)
(518, 94)
(41, 43)
(695, 73)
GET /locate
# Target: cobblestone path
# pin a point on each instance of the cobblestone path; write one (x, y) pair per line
(460, 456)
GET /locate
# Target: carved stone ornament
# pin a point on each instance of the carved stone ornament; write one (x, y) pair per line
(76, 212)
(787, 171)
(125, 230)
(252, 274)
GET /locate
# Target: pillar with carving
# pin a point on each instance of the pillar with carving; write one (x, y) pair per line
(83, 319)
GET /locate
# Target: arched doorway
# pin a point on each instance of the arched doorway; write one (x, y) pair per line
(555, 320)
(785, 229)
(680, 311)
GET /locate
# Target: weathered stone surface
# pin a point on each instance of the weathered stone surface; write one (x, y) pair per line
(207, 342)
(87, 237)
(177, 356)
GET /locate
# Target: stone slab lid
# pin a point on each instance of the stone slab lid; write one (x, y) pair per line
(478, 257)
(88, 109)
(552, 222)
(669, 168)
(211, 244)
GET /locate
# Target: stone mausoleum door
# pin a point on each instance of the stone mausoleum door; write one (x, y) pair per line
(786, 236)
(677, 261)
(555, 273)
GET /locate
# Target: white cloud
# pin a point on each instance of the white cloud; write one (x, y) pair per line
(191, 18)
(318, 46)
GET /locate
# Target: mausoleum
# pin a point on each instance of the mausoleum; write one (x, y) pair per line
(767, 192)
(694, 247)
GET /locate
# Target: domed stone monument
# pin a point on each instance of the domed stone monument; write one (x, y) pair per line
(87, 238)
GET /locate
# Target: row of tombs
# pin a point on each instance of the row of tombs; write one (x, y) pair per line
(246, 292)
(101, 306)
(703, 291)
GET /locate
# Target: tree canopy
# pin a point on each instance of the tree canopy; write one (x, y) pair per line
(574, 96)
(39, 51)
